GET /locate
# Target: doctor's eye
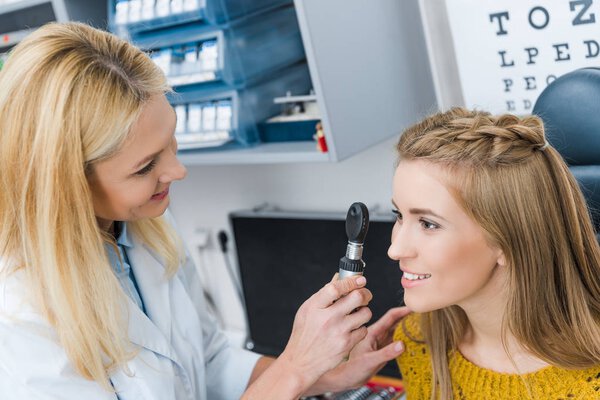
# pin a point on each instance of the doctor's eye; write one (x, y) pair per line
(146, 170)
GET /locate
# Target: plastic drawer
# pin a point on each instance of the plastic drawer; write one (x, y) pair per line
(246, 51)
(249, 106)
(130, 17)
(293, 131)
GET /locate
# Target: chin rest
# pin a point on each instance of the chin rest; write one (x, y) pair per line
(570, 109)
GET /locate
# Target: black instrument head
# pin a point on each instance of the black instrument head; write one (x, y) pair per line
(357, 223)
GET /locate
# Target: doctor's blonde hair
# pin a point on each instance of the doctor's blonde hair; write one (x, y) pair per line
(69, 95)
(522, 194)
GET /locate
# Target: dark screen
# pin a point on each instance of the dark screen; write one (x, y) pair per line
(283, 261)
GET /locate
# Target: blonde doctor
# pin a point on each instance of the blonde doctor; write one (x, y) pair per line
(97, 299)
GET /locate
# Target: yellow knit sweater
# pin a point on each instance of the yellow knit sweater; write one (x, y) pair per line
(470, 382)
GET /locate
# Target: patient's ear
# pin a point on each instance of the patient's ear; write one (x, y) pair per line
(501, 260)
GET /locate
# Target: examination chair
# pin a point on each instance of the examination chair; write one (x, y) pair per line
(570, 109)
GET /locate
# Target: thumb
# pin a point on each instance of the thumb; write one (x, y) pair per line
(387, 353)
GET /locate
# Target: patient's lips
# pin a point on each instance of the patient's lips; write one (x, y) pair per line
(411, 279)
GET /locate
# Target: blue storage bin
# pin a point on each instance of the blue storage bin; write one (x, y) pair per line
(248, 50)
(249, 105)
(288, 131)
(297, 120)
(130, 17)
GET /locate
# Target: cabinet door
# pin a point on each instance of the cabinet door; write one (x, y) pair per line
(369, 67)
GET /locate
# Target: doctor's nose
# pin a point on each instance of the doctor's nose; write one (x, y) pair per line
(174, 171)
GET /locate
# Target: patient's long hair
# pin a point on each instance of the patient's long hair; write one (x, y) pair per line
(520, 191)
(69, 95)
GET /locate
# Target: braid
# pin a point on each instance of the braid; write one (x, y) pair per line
(473, 137)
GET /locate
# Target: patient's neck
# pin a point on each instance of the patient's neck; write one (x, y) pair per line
(482, 343)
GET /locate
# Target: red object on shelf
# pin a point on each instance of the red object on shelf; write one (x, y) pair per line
(320, 138)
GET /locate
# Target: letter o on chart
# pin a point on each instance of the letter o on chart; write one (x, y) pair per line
(540, 13)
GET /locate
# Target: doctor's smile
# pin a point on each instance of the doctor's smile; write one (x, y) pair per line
(160, 195)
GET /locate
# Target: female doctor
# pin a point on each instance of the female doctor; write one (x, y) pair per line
(97, 299)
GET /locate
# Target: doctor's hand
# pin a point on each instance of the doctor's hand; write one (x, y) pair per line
(327, 327)
(368, 356)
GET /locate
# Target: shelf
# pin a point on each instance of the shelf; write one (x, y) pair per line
(264, 153)
(184, 17)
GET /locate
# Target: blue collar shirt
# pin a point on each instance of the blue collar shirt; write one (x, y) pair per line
(121, 266)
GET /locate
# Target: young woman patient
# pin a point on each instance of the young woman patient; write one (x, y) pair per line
(500, 263)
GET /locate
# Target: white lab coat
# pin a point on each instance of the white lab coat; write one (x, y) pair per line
(183, 355)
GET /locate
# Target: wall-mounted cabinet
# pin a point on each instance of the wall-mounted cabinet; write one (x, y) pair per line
(226, 62)
(370, 73)
(366, 62)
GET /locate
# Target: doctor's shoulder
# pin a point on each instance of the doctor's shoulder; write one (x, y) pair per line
(33, 364)
(20, 322)
(16, 301)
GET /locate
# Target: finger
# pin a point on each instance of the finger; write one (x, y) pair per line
(335, 277)
(358, 298)
(336, 289)
(357, 335)
(358, 318)
(388, 321)
(385, 354)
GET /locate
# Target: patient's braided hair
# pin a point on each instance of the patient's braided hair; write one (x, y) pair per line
(474, 137)
(506, 177)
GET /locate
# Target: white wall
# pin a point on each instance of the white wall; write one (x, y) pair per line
(204, 199)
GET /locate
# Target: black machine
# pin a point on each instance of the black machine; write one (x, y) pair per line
(285, 257)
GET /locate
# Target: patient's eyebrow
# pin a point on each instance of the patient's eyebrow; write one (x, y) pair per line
(421, 211)
(425, 211)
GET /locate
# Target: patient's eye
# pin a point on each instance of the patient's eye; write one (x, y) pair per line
(398, 215)
(428, 225)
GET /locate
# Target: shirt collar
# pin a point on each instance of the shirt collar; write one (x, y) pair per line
(123, 238)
